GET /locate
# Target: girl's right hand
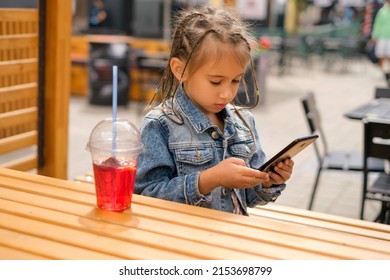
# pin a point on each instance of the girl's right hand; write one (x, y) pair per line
(231, 173)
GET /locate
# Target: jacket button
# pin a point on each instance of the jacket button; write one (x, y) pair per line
(214, 135)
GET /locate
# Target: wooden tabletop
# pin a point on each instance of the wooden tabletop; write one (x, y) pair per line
(47, 218)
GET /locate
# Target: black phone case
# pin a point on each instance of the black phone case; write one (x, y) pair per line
(289, 151)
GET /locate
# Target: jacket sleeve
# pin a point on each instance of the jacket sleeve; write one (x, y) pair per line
(259, 195)
(156, 172)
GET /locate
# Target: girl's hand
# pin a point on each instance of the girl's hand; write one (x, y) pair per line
(231, 173)
(280, 174)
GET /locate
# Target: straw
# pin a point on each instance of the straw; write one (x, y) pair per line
(114, 113)
(114, 106)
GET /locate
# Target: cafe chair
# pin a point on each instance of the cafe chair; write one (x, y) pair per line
(382, 92)
(327, 159)
(376, 145)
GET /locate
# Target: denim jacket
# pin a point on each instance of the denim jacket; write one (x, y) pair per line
(174, 156)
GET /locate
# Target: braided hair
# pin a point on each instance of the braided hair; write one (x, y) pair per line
(192, 28)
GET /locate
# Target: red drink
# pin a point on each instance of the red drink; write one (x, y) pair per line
(114, 182)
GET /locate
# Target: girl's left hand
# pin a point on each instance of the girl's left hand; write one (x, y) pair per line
(280, 174)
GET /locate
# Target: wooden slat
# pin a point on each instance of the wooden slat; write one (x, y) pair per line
(29, 65)
(19, 141)
(16, 21)
(7, 253)
(18, 97)
(274, 239)
(28, 90)
(25, 163)
(57, 88)
(18, 117)
(18, 72)
(42, 248)
(19, 41)
(321, 220)
(16, 47)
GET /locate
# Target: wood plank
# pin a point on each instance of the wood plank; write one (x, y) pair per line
(15, 47)
(302, 238)
(25, 163)
(34, 247)
(23, 91)
(16, 72)
(19, 41)
(19, 14)
(18, 27)
(19, 141)
(18, 97)
(308, 243)
(19, 117)
(13, 67)
(7, 253)
(321, 220)
(57, 88)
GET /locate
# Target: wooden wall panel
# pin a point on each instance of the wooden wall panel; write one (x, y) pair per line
(19, 40)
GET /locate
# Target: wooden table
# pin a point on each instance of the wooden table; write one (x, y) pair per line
(47, 218)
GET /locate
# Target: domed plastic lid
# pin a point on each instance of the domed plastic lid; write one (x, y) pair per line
(119, 137)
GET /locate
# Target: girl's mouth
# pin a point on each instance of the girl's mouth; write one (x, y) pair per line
(220, 105)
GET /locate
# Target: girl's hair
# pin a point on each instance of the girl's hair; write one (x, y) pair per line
(192, 28)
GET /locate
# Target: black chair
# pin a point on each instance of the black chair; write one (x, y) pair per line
(332, 160)
(376, 145)
(382, 93)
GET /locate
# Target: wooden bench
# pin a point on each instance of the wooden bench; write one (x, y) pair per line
(19, 88)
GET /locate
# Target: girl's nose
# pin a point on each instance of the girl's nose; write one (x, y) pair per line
(226, 93)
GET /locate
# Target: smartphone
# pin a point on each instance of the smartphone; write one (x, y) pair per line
(289, 151)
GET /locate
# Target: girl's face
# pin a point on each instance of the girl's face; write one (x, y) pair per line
(215, 83)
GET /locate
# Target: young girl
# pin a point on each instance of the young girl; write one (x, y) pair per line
(199, 148)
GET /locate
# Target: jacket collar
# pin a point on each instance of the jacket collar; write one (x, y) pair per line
(196, 117)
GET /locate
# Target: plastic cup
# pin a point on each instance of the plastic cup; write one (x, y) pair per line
(114, 148)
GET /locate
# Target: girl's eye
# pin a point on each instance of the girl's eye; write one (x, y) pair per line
(236, 81)
(215, 83)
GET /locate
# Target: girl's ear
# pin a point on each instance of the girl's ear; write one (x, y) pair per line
(177, 67)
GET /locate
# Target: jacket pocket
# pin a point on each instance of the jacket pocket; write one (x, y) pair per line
(243, 149)
(192, 159)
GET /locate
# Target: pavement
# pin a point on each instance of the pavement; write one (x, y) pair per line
(338, 86)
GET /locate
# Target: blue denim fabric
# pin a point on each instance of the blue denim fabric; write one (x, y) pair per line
(175, 155)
